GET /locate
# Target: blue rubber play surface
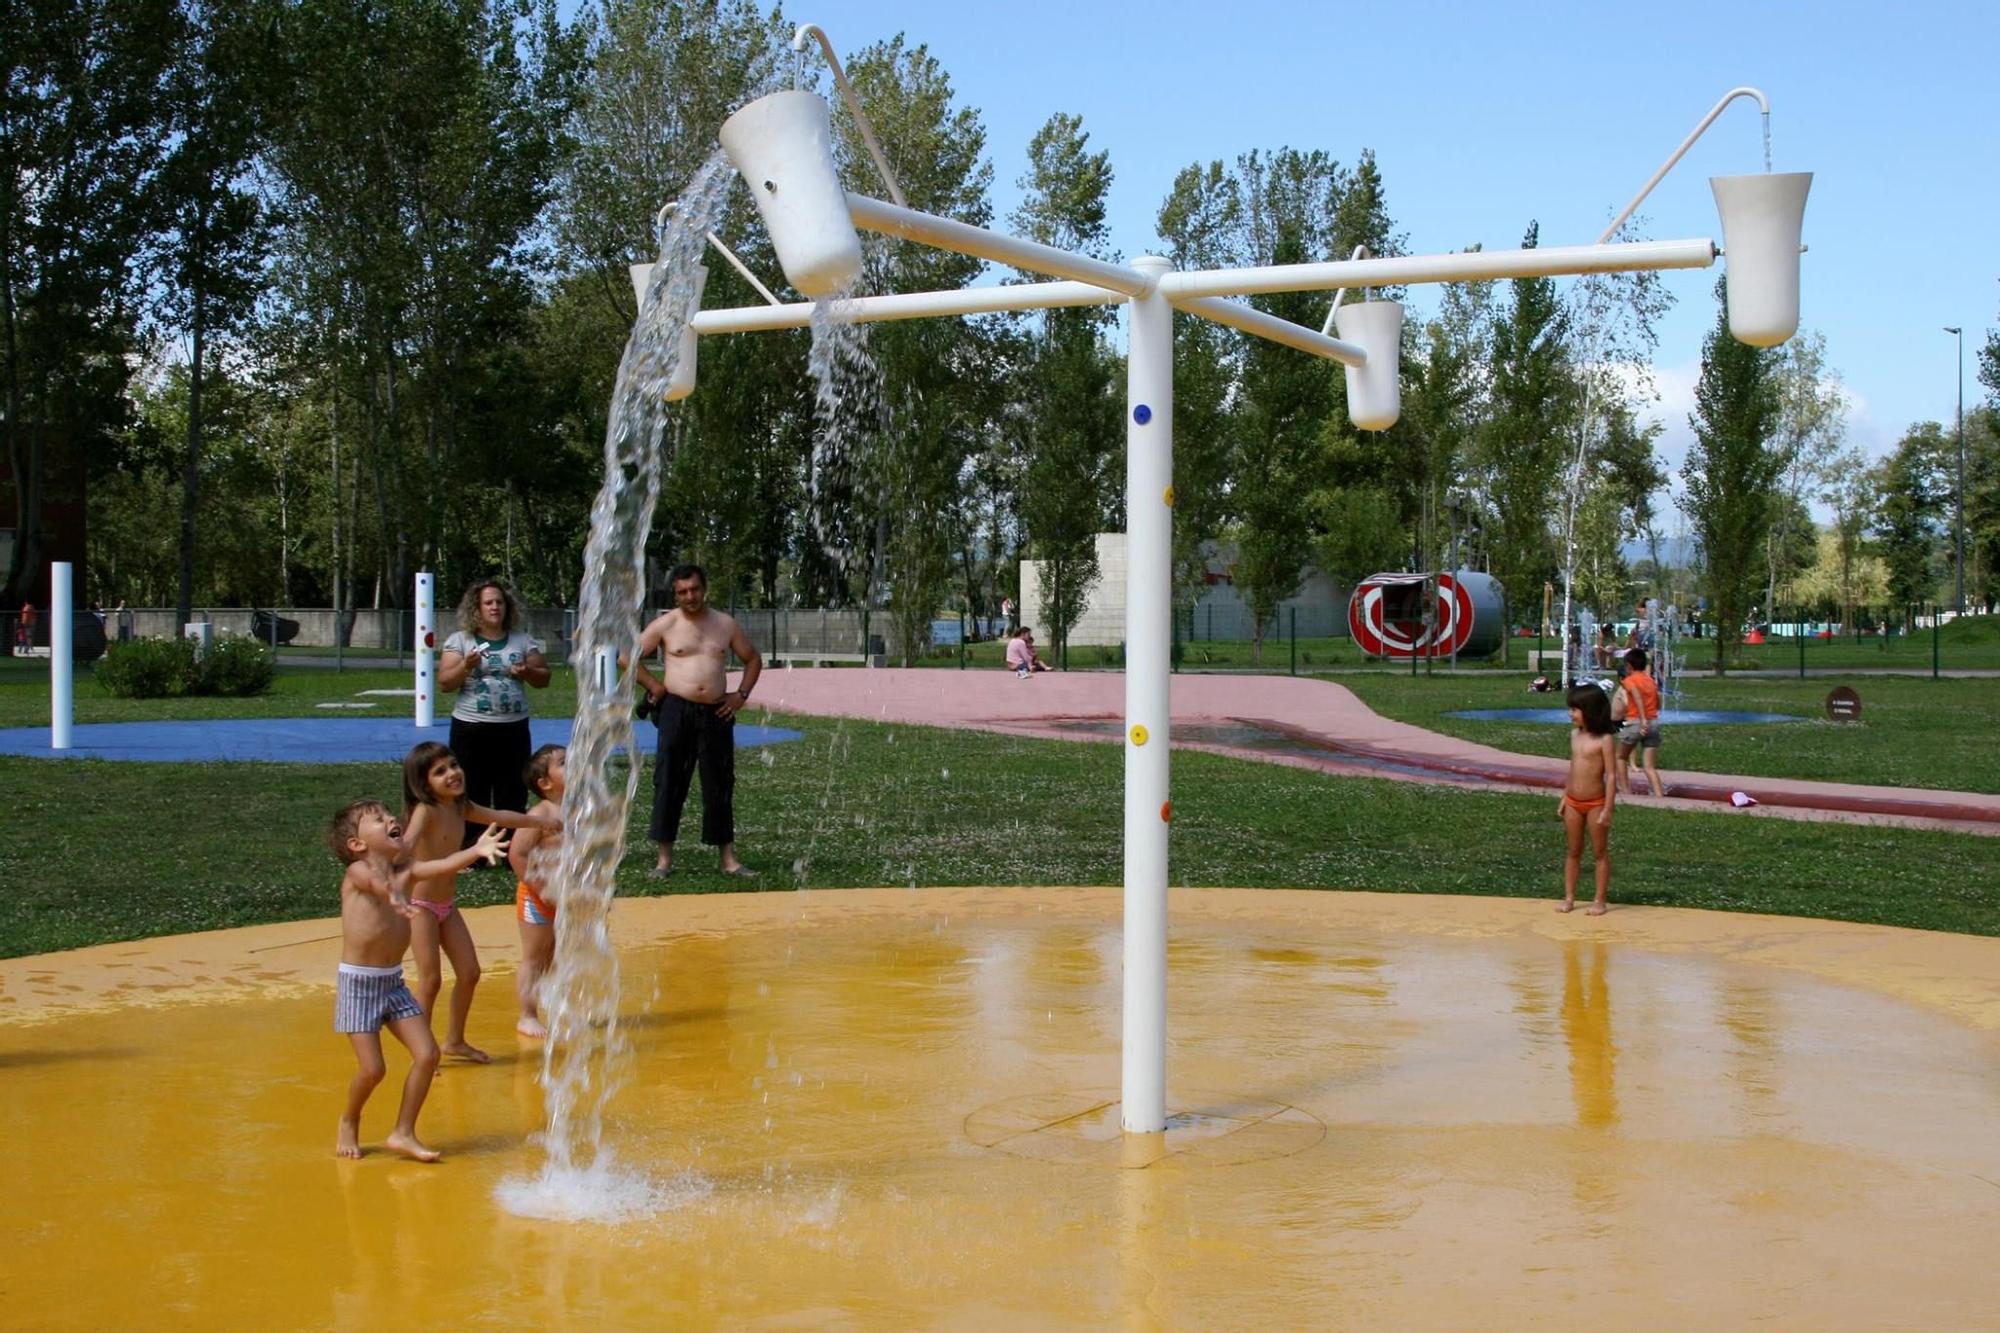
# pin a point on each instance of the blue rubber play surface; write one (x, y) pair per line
(1682, 717)
(289, 740)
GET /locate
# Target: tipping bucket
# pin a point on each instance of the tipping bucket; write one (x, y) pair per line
(783, 146)
(682, 384)
(1762, 218)
(1374, 391)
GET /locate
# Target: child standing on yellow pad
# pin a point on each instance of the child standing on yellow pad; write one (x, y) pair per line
(435, 811)
(533, 857)
(375, 913)
(1589, 794)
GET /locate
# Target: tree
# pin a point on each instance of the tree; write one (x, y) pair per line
(414, 149)
(1848, 489)
(1731, 473)
(1445, 382)
(82, 118)
(1067, 419)
(1284, 409)
(1291, 202)
(939, 373)
(1201, 223)
(1913, 497)
(213, 225)
(1526, 435)
(1812, 423)
(1982, 507)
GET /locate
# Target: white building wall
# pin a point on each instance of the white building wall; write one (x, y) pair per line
(1220, 611)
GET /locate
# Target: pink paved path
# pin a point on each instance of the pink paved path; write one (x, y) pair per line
(1342, 735)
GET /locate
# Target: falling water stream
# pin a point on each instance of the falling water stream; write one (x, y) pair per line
(584, 1055)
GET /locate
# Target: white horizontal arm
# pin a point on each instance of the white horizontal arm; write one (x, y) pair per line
(965, 239)
(1468, 266)
(912, 305)
(1239, 316)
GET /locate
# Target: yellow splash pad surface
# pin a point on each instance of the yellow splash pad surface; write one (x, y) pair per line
(896, 1108)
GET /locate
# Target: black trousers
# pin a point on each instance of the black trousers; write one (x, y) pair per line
(493, 755)
(694, 737)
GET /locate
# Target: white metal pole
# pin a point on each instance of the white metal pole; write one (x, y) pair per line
(1149, 554)
(62, 662)
(426, 645)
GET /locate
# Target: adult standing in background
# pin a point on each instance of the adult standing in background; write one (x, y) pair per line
(695, 710)
(489, 662)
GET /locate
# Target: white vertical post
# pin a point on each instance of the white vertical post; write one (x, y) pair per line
(607, 671)
(62, 662)
(1149, 528)
(426, 645)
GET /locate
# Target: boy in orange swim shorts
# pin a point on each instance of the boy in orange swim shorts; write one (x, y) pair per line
(534, 856)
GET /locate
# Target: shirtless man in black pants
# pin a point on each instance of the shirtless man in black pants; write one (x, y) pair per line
(695, 712)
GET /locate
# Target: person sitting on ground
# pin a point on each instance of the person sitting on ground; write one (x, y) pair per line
(1022, 657)
(1607, 648)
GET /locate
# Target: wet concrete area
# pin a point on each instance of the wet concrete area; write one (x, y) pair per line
(899, 1108)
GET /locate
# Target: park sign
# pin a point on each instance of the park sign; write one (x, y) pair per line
(1843, 704)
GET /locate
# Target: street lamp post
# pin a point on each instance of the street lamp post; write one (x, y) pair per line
(1959, 520)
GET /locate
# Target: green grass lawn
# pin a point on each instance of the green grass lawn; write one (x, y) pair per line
(1912, 733)
(108, 851)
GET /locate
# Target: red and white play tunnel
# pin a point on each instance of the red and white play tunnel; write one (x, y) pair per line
(1387, 616)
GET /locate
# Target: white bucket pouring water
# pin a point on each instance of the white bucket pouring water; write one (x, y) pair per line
(1763, 217)
(783, 146)
(1374, 391)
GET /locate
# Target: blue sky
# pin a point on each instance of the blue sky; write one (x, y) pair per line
(1484, 117)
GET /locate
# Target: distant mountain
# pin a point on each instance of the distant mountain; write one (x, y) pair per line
(1675, 552)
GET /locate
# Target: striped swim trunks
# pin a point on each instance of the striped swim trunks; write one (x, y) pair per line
(368, 997)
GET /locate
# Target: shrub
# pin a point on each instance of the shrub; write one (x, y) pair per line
(148, 669)
(166, 668)
(236, 667)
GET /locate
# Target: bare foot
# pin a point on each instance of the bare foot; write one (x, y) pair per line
(530, 1026)
(348, 1142)
(1597, 909)
(407, 1145)
(1565, 906)
(467, 1051)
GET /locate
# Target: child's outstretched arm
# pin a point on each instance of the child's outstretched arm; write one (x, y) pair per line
(490, 847)
(479, 814)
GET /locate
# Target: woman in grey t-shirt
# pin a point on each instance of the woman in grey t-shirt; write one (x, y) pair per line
(490, 662)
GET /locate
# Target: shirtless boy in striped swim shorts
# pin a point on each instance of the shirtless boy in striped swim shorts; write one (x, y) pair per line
(375, 914)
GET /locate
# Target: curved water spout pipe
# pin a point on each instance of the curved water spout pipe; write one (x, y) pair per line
(847, 95)
(1360, 252)
(660, 225)
(1687, 143)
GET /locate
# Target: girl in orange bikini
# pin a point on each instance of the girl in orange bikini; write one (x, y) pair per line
(434, 815)
(1592, 788)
